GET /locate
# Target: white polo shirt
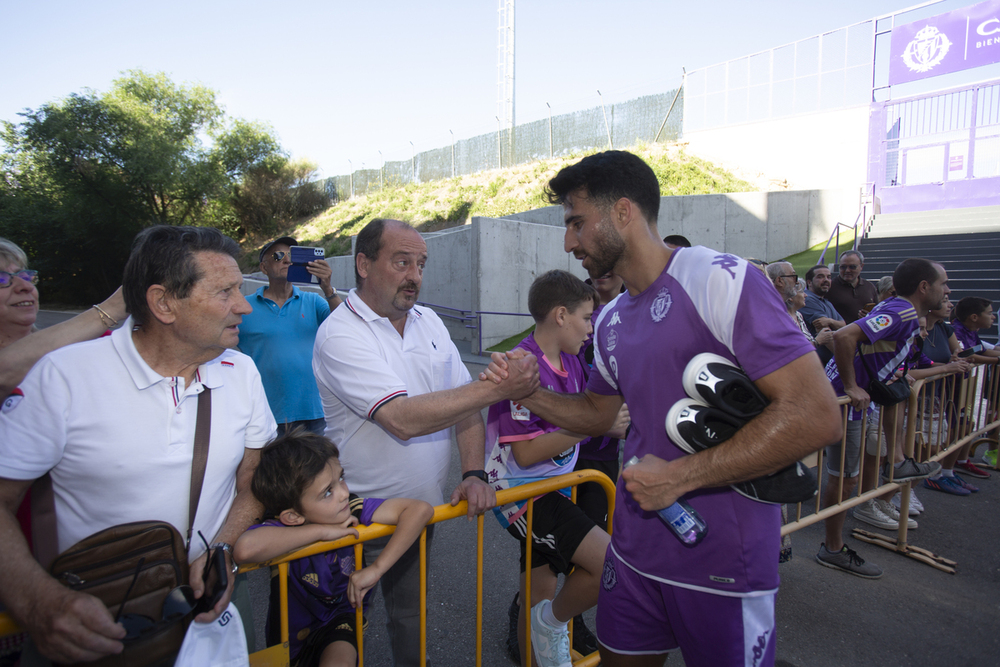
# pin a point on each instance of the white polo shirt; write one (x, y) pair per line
(361, 363)
(118, 437)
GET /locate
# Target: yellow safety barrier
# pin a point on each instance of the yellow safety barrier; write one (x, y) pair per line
(278, 654)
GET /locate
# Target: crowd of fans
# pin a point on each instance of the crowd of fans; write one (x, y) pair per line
(365, 394)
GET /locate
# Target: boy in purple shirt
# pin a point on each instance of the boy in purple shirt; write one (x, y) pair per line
(972, 315)
(301, 485)
(714, 601)
(527, 448)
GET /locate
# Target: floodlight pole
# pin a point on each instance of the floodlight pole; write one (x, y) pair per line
(499, 147)
(606, 126)
(550, 129)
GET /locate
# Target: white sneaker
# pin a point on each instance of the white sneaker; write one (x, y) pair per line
(872, 515)
(897, 503)
(915, 502)
(551, 645)
(893, 513)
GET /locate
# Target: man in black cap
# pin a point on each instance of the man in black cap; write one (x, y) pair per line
(279, 334)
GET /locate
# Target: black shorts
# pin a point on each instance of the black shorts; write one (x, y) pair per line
(558, 527)
(341, 629)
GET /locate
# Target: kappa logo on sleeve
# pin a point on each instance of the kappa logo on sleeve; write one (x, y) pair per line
(519, 413)
(12, 400)
(878, 322)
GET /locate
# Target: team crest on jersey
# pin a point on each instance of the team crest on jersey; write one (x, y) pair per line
(878, 322)
(610, 578)
(612, 339)
(661, 304)
(615, 319)
(12, 400)
(519, 413)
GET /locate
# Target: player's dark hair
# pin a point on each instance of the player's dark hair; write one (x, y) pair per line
(164, 255)
(558, 288)
(969, 306)
(911, 272)
(369, 242)
(677, 240)
(607, 177)
(811, 273)
(288, 465)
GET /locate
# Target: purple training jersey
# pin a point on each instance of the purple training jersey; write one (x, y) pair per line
(317, 585)
(510, 422)
(704, 301)
(601, 447)
(892, 329)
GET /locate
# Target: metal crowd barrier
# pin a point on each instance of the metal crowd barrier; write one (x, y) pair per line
(277, 655)
(948, 412)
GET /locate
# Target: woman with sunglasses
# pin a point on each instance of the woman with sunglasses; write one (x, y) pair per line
(19, 309)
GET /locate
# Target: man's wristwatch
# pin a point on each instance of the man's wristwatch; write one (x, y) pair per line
(228, 548)
(481, 474)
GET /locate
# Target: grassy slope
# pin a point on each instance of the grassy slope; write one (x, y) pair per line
(452, 202)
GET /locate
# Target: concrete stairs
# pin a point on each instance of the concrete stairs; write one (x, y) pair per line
(966, 241)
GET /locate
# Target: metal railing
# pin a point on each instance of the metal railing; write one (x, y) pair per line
(864, 218)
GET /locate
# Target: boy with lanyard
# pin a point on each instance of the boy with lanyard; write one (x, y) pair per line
(527, 448)
(301, 485)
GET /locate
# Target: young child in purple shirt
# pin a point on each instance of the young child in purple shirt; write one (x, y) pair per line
(972, 315)
(302, 487)
(527, 448)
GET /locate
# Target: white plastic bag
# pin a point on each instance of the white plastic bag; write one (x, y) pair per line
(220, 643)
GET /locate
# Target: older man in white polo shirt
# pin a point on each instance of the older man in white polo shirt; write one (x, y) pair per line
(392, 385)
(113, 420)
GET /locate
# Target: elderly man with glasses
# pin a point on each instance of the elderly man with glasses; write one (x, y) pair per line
(279, 335)
(850, 294)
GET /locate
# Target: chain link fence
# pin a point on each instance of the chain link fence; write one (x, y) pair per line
(652, 118)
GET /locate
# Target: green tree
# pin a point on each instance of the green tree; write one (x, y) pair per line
(81, 176)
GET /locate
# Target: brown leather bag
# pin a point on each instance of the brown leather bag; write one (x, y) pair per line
(107, 565)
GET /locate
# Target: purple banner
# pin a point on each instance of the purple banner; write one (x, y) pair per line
(964, 38)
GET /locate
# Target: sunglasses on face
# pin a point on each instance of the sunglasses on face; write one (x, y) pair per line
(27, 275)
(848, 267)
(278, 256)
(793, 276)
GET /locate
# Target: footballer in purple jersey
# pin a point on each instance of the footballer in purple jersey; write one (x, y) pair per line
(704, 301)
(714, 601)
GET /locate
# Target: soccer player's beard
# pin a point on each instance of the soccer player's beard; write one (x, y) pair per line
(609, 248)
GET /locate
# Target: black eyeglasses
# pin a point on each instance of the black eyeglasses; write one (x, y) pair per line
(278, 256)
(849, 267)
(178, 604)
(27, 275)
(793, 276)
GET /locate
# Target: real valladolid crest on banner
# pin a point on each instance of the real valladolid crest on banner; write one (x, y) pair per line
(951, 42)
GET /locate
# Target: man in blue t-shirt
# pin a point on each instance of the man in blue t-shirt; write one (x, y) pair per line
(279, 335)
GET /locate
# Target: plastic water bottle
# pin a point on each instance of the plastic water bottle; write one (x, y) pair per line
(681, 518)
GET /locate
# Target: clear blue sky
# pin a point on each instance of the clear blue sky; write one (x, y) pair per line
(343, 80)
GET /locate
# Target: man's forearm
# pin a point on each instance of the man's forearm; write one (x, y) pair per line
(575, 412)
(245, 510)
(412, 416)
(21, 574)
(470, 434)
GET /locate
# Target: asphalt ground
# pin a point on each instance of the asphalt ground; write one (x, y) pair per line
(913, 615)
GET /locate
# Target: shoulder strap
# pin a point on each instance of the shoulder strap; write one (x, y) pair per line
(202, 433)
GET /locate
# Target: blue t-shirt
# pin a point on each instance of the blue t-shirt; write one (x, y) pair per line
(280, 342)
(816, 306)
(317, 585)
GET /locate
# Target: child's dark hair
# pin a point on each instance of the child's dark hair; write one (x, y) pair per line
(969, 306)
(558, 288)
(289, 464)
